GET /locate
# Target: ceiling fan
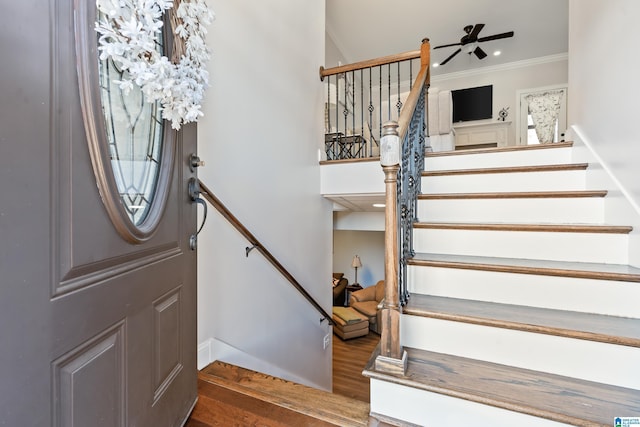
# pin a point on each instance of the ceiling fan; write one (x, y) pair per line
(470, 40)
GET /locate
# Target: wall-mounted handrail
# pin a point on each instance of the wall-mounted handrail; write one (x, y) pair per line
(255, 244)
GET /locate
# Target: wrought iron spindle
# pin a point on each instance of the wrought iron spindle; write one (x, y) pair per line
(344, 99)
(409, 188)
(399, 103)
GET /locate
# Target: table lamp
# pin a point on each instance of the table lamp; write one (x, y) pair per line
(356, 263)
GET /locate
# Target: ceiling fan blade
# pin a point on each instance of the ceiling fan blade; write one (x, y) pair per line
(447, 45)
(474, 33)
(451, 56)
(480, 53)
(496, 36)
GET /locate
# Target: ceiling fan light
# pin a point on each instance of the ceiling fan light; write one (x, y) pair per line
(469, 48)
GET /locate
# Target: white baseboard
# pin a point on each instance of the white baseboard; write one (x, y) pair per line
(205, 353)
(213, 349)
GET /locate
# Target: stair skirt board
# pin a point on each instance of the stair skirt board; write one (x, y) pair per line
(515, 181)
(608, 297)
(432, 409)
(587, 360)
(524, 210)
(554, 246)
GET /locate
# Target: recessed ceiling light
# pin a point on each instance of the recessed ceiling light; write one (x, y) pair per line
(379, 205)
(496, 53)
(435, 65)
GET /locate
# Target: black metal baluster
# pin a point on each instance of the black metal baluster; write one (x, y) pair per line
(371, 107)
(345, 111)
(389, 91)
(399, 103)
(362, 105)
(380, 100)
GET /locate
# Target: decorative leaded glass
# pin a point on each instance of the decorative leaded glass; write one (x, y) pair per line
(134, 130)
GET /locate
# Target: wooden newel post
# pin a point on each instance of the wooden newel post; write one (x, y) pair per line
(392, 358)
(425, 53)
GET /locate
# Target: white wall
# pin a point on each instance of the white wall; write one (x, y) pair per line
(369, 245)
(259, 138)
(362, 221)
(603, 101)
(332, 55)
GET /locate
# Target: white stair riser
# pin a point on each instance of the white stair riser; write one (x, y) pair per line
(554, 246)
(606, 297)
(588, 360)
(585, 210)
(513, 181)
(424, 408)
(492, 160)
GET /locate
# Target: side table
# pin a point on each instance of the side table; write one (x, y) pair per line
(350, 288)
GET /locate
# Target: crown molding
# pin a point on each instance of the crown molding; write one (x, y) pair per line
(501, 67)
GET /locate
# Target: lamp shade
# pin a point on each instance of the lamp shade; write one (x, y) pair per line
(356, 263)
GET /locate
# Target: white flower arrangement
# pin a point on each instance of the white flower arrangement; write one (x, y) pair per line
(129, 32)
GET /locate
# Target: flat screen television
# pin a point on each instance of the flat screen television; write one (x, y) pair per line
(475, 103)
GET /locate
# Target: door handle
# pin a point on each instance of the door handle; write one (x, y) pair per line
(194, 195)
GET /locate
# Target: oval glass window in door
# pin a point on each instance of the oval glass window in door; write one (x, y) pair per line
(134, 131)
(132, 150)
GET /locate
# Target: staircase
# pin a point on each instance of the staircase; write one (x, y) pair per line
(523, 309)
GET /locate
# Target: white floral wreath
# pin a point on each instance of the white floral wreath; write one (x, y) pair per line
(129, 31)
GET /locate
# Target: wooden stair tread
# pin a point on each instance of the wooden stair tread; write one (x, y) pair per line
(562, 399)
(555, 228)
(221, 406)
(332, 408)
(508, 169)
(500, 149)
(583, 270)
(515, 195)
(570, 324)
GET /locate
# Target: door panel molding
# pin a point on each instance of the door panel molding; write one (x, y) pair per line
(92, 376)
(167, 337)
(86, 275)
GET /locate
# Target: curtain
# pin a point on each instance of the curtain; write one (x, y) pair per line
(544, 108)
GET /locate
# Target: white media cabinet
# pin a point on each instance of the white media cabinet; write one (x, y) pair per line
(488, 134)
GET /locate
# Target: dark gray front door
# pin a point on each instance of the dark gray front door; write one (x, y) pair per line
(96, 328)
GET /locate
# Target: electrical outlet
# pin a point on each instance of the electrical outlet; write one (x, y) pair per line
(326, 341)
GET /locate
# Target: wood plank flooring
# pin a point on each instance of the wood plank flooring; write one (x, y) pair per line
(349, 360)
(229, 395)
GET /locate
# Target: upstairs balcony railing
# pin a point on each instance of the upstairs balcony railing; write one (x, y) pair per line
(360, 98)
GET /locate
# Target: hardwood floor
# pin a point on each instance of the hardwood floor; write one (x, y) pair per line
(349, 359)
(231, 396)
(219, 406)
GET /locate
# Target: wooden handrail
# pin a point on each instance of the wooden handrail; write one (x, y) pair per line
(384, 60)
(255, 244)
(424, 77)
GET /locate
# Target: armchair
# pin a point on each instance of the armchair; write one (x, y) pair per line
(368, 301)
